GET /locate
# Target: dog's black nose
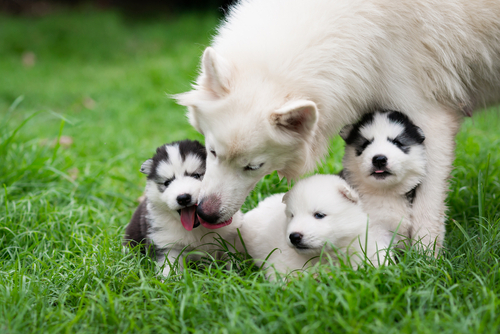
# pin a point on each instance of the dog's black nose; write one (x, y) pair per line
(295, 238)
(184, 199)
(208, 211)
(379, 161)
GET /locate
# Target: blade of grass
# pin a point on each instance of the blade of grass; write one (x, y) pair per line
(14, 105)
(56, 147)
(6, 199)
(480, 203)
(3, 148)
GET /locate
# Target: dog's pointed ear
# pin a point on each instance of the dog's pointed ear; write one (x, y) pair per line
(212, 83)
(193, 116)
(188, 100)
(215, 73)
(147, 167)
(349, 193)
(346, 131)
(300, 116)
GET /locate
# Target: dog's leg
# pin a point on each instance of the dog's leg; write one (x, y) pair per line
(374, 247)
(172, 255)
(440, 126)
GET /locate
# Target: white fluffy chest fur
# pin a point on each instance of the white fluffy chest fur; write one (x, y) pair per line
(389, 216)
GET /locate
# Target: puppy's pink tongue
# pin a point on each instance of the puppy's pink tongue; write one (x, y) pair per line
(379, 171)
(188, 216)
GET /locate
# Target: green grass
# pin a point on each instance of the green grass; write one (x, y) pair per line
(102, 79)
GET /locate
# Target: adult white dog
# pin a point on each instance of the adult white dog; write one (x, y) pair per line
(283, 76)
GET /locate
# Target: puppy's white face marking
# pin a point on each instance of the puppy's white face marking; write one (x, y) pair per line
(323, 210)
(175, 175)
(385, 150)
(176, 166)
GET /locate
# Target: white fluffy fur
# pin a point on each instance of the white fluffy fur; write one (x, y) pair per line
(345, 227)
(166, 231)
(264, 234)
(343, 230)
(332, 61)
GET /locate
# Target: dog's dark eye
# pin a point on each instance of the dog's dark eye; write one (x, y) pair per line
(253, 167)
(319, 215)
(167, 182)
(197, 176)
(213, 152)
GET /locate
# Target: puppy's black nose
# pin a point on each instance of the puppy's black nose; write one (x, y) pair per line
(379, 161)
(184, 199)
(295, 238)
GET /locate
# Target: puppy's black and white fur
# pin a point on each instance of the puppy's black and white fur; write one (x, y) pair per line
(166, 220)
(385, 161)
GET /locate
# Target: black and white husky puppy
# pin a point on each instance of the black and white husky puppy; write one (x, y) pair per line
(385, 161)
(166, 219)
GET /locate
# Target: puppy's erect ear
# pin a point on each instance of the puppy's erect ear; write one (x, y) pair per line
(147, 167)
(421, 134)
(349, 193)
(285, 197)
(346, 131)
(215, 73)
(300, 116)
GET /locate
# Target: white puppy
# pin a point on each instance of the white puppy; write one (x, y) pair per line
(265, 239)
(284, 76)
(322, 215)
(385, 162)
(166, 220)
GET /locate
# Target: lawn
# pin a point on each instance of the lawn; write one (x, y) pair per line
(99, 81)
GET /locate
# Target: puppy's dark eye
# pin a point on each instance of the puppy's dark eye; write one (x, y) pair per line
(213, 153)
(291, 215)
(319, 215)
(197, 176)
(396, 142)
(366, 143)
(167, 182)
(363, 146)
(253, 167)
